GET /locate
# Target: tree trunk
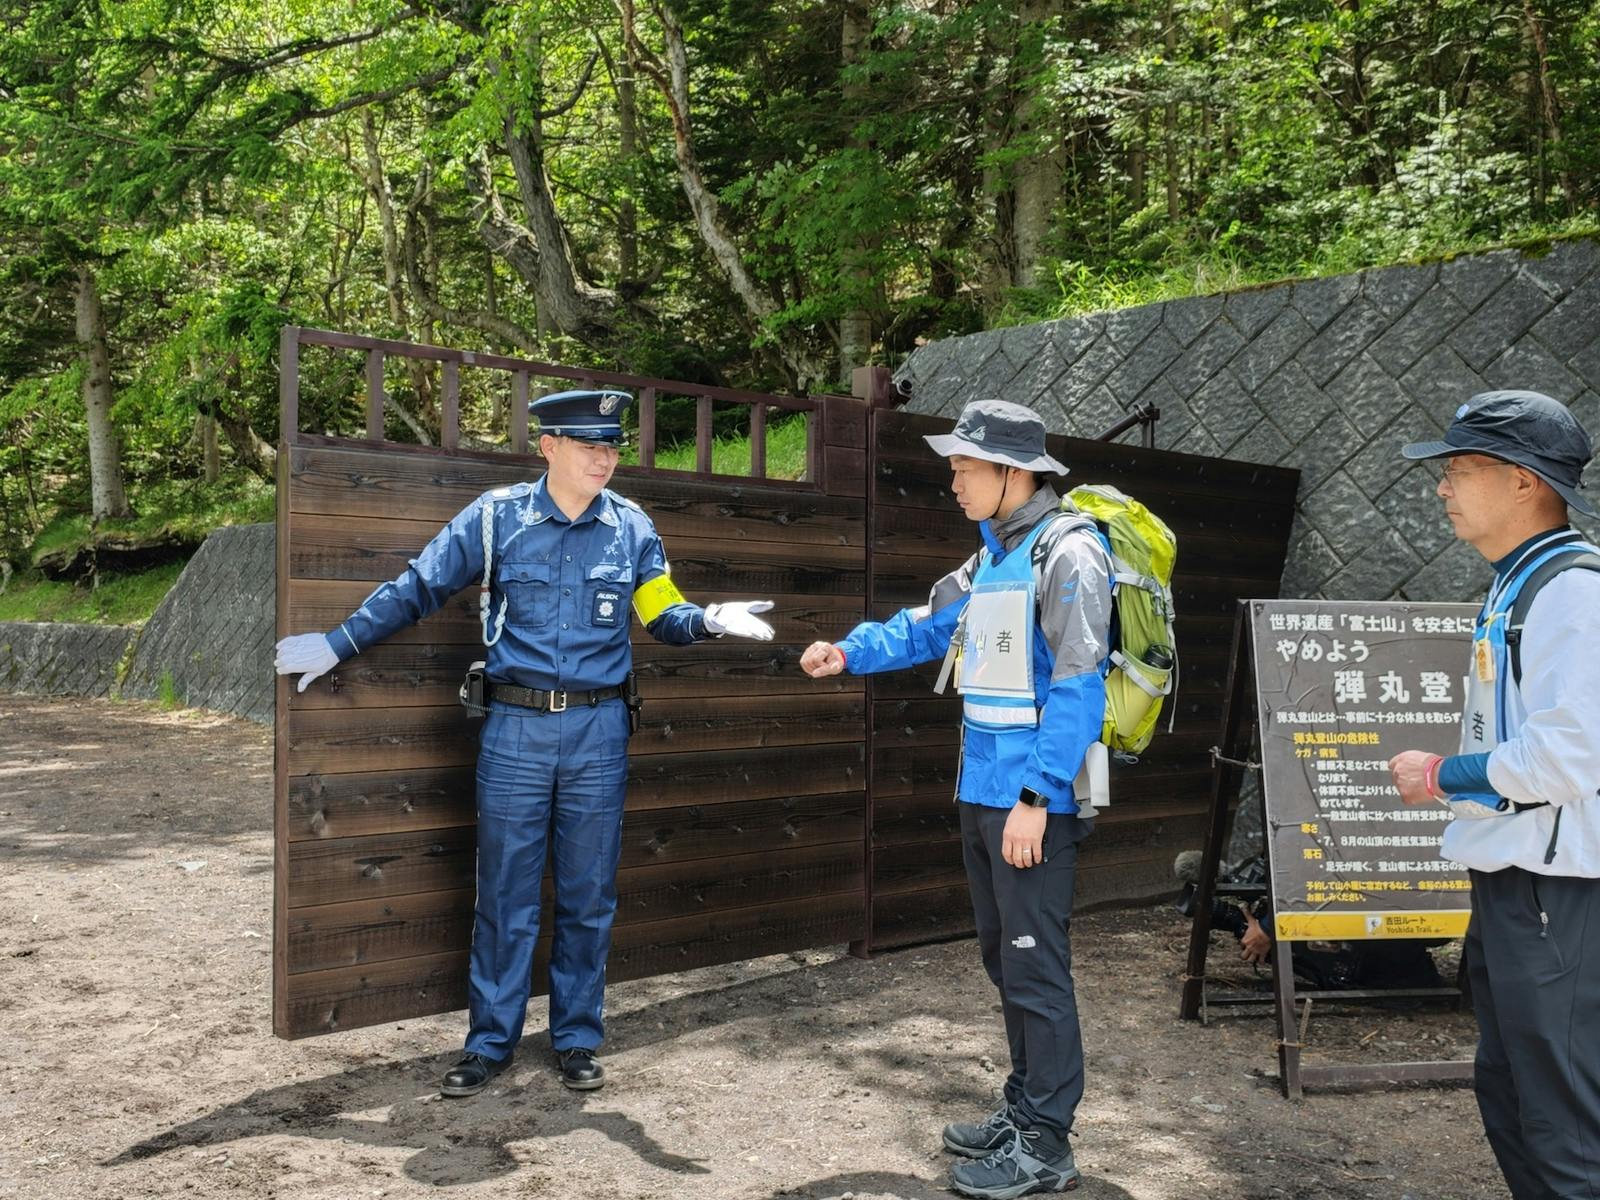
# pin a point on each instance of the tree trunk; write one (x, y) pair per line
(1037, 180)
(855, 326)
(394, 280)
(1550, 106)
(253, 451)
(628, 124)
(1169, 128)
(804, 366)
(109, 499)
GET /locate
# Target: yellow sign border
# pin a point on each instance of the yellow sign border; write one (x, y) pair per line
(1357, 927)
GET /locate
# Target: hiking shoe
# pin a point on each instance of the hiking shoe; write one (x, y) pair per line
(472, 1074)
(1022, 1167)
(580, 1070)
(982, 1139)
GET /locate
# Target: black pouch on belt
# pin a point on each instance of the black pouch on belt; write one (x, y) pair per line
(635, 702)
(472, 693)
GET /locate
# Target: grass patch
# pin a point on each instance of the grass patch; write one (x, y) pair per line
(730, 455)
(184, 510)
(119, 600)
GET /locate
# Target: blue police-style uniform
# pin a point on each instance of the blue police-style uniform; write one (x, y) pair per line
(545, 779)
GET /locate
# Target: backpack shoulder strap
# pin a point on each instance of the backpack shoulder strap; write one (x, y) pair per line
(1583, 560)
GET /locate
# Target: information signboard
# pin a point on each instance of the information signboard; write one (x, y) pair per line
(1343, 686)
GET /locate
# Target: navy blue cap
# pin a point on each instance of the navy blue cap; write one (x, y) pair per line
(1526, 428)
(587, 416)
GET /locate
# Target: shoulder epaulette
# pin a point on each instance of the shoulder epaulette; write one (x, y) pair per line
(621, 499)
(514, 492)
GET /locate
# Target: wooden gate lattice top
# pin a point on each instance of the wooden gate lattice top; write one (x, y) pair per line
(647, 391)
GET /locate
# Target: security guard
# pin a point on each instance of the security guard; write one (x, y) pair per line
(1032, 614)
(560, 562)
(1524, 792)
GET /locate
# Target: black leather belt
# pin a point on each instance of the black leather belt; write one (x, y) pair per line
(551, 702)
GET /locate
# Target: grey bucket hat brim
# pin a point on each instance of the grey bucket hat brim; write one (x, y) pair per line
(947, 445)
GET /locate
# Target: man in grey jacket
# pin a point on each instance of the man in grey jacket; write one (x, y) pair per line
(1524, 792)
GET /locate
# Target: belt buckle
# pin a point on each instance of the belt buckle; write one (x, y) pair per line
(558, 707)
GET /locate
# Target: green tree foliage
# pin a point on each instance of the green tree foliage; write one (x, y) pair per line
(710, 190)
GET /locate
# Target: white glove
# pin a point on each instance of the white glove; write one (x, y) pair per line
(310, 653)
(738, 617)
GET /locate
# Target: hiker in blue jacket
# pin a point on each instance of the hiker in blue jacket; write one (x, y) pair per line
(1524, 792)
(1033, 611)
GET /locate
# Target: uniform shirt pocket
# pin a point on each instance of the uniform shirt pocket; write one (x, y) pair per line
(607, 595)
(530, 596)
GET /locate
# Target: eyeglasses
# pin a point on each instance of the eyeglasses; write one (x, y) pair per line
(1451, 472)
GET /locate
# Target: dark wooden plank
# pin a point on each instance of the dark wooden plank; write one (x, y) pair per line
(665, 780)
(375, 549)
(369, 868)
(327, 936)
(318, 1002)
(320, 604)
(406, 674)
(351, 479)
(930, 864)
(333, 741)
(844, 421)
(744, 827)
(365, 803)
(356, 932)
(846, 471)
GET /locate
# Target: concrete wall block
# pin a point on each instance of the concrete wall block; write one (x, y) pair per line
(1366, 394)
(1342, 513)
(1310, 564)
(1476, 277)
(59, 659)
(1587, 364)
(1422, 328)
(1225, 409)
(1073, 338)
(1458, 574)
(1204, 357)
(1378, 572)
(1345, 337)
(1413, 509)
(1093, 365)
(1529, 365)
(1263, 444)
(1566, 266)
(1499, 322)
(1378, 463)
(1574, 324)
(1319, 301)
(1129, 327)
(1393, 290)
(1145, 363)
(1253, 310)
(1442, 383)
(1188, 318)
(1323, 451)
(1293, 401)
(1271, 348)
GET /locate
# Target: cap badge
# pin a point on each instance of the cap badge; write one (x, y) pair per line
(977, 433)
(608, 404)
(1463, 411)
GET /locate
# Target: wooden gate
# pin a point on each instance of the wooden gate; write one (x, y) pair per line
(765, 811)
(745, 828)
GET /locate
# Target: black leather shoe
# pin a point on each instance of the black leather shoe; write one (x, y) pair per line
(580, 1070)
(472, 1074)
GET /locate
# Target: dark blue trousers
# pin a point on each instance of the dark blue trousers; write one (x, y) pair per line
(1536, 992)
(547, 783)
(1024, 920)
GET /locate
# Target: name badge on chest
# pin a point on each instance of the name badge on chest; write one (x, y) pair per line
(1483, 659)
(607, 608)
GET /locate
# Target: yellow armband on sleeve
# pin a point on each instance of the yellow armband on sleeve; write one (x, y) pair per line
(652, 599)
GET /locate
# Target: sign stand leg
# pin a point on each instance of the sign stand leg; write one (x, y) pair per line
(1225, 780)
(1288, 1034)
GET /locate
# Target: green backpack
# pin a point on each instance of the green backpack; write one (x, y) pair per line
(1144, 658)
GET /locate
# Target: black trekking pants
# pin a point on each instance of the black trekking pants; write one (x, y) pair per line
(1024, 920)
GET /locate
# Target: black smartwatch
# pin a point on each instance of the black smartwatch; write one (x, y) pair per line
(1033, 799)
